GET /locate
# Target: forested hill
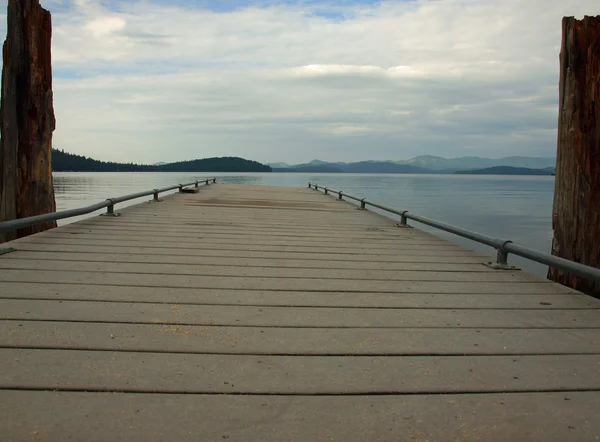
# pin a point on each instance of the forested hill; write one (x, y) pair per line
(67, 162)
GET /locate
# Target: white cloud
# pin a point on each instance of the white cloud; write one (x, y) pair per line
(154, 82)
(103, 27)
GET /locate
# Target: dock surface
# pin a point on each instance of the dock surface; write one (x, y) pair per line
(250, 313)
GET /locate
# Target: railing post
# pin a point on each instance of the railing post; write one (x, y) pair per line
(403, 219)
(207, 182)
(502, 259)
(156, 198)
(110, 209)
(214, 180)
(340, 196)
(326, 191)
(316, 187)
(196, 184)
(310, 185)
(363, 205)
(180, 188)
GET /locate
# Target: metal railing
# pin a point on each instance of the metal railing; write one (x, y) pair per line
(503, 247)
(15, 224)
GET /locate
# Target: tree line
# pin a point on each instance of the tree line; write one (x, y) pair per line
(67, 162)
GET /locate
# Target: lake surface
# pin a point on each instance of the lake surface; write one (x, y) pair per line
(518, 208)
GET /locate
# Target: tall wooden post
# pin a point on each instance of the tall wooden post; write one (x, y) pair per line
(576, 212)
(26, 117)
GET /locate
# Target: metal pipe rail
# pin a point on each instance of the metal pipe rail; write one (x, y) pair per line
(109, 203)
(503, 247)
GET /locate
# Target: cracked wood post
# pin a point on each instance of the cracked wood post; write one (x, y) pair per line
(26, 117)
(576, 211)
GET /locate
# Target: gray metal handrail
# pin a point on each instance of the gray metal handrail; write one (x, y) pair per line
(502, 246)
(109, 203)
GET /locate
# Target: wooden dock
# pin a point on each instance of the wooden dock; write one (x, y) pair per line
(249, 313)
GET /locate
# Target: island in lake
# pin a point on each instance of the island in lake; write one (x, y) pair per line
(68, 162)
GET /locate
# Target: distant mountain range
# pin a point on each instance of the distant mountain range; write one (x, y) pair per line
(421, 164)
(508, 170)
(63, 161)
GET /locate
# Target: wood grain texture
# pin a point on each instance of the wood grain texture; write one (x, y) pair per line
(576, 212)
(27, 117)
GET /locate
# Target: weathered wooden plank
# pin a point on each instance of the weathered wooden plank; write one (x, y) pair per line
(52, 291)
(324, 225)
(415, 255)
(252, 236)
(51, 416)
(198, 244)
(239, 229)
(227, 374)
(354, 217)
(458, 264)
(265, 316)
(276, 284)
(477, 272)
(391, 246)
(225, 222)
(276, 279)
(296, 341)
(287, 208)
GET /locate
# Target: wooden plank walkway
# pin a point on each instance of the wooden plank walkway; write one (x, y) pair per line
(248, 313)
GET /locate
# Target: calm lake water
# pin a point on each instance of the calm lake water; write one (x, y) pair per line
(512, 207)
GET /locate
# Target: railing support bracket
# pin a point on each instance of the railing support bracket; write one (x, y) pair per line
(110, 209)
(403, 220)
(501, 259)
(496, 266)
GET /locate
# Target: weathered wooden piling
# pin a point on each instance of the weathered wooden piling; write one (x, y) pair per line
(576, 212)
(26, 117)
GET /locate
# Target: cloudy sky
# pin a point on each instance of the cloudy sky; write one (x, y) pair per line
(167, 80)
